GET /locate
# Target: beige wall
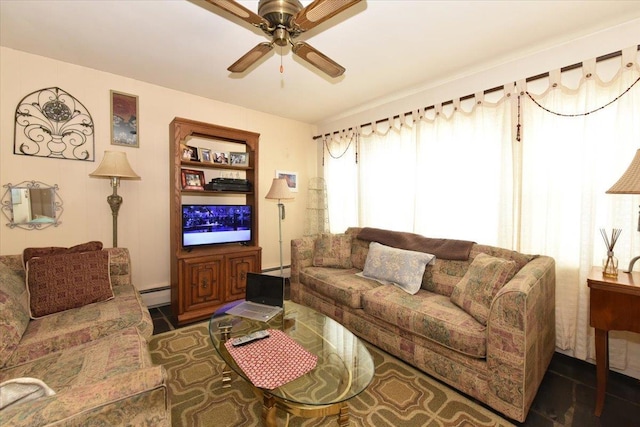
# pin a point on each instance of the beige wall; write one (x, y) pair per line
(143, 221)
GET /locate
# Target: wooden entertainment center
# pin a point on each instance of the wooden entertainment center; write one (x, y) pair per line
(204, 278)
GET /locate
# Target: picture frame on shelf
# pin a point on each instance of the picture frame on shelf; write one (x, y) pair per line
(221, 157)
(195, 157)
(192, 179)
(186, 152)
(125, 120)
(205, 155)
(239, 158)
(291, 178)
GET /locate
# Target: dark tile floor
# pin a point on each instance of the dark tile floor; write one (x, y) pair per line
(566, 396)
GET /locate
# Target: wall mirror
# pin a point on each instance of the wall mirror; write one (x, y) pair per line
(32, 205)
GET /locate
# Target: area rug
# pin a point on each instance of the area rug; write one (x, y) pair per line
(398, 396)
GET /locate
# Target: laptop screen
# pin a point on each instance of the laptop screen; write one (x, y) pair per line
(265, 289)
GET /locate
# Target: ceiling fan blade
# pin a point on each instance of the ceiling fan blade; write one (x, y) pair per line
(250, 57)
(240, 11)
(318, 59)
(319, 11)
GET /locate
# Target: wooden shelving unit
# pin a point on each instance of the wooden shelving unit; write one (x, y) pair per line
(205, 278)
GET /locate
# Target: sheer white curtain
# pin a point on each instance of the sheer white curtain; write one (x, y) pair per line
(465, 173)
(568, 164)
(387, 170)
(341, 176)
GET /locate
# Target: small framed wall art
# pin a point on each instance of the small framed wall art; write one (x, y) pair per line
(291, 178)
(192, 179)
(239, 159)
(124, 119)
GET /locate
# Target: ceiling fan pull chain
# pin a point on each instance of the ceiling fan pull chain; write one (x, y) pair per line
(281, 66)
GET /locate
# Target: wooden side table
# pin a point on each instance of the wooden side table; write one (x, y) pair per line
(614, 306)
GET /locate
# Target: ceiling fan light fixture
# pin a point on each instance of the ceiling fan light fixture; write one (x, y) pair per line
(283, 21)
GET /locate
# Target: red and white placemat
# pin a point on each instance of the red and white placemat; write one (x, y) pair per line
(273, 361)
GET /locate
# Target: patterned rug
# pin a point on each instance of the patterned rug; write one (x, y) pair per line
(398, 396)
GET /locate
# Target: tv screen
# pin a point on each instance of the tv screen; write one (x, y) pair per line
(214, 224)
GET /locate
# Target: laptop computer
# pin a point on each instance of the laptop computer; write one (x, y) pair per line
(264, 297)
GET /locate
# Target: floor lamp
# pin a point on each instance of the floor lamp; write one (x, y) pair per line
(279, 191)
(629, 183)
(114, 166)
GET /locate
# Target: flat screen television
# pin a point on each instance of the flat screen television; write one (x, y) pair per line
(204, 225)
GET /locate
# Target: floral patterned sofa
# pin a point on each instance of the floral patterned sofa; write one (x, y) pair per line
(482, 322)
(87, 365)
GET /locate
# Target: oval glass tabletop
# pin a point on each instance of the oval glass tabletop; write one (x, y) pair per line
(344, 368)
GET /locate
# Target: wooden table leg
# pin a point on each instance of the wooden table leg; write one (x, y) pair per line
(268, 410)
(602, 368)
(343, 416)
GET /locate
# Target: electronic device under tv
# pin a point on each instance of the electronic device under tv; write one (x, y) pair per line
(204, 225)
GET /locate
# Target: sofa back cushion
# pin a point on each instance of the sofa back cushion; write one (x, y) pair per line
(69, 280)
(332, 250)
(15, 314)
(441, 275)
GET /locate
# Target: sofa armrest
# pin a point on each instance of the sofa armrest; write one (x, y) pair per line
(301, 255)
(133, 398)
(119, 266)
(521, 333)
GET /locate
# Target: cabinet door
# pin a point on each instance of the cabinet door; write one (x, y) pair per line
(239, 266)
(203, 282)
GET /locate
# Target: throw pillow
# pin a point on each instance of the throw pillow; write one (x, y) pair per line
(332, 250)
(486, 275)
(60, 282)
(29, 253)
(401, 267)
(20, 390)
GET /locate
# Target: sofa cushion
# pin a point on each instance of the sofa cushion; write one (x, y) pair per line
(125, 351)
(77, 326)
(428, 315)
(485, 277)
(332, 250)
(340, 285)
(29, 253)
(60, 282)
(13, 306)
(401, 267)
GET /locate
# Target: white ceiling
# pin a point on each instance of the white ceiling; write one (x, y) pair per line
(387, 47)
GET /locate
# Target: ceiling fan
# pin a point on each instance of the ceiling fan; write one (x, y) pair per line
(283, 21)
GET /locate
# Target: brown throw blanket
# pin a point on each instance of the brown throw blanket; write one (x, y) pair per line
(441, 248)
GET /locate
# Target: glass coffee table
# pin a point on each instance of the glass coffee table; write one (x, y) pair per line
(344, 368)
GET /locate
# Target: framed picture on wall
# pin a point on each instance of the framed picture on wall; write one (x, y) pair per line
(291, 178)
(124, 119)
(192, 179)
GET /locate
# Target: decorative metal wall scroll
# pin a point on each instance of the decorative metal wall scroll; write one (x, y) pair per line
(52, 123)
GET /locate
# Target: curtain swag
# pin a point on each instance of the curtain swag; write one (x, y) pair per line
(383, 126)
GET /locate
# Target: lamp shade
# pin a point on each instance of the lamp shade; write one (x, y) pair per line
(279, 190)
(629, 182)
(114, 164)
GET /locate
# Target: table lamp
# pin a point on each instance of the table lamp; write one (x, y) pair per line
(629, 183)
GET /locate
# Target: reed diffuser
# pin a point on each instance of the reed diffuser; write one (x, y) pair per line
(610, 262)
